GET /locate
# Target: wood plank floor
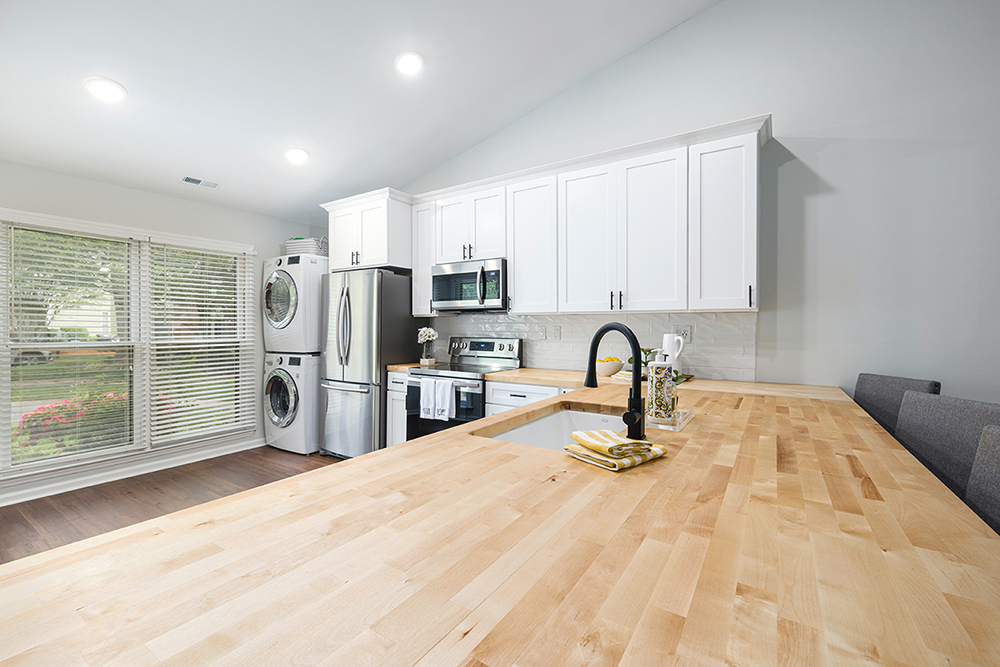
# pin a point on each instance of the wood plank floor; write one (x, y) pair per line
(38, 525)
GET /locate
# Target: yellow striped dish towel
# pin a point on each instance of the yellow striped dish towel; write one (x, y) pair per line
(609, 443)
(612, 462)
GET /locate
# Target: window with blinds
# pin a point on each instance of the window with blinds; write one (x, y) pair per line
(111, 345)
(200, 352)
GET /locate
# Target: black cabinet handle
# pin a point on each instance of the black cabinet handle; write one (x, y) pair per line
(518, 396)
(470, 251)
(612, 300)
(751, 295)
(463, 252)
(619, 300)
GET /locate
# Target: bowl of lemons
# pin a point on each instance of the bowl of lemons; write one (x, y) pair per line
(608, 366)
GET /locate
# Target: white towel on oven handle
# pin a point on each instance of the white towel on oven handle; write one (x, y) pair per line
(444, 400)
(428, 388)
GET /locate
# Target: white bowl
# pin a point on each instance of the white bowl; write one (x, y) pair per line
(606, 368)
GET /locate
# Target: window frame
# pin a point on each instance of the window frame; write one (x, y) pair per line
(141, 243)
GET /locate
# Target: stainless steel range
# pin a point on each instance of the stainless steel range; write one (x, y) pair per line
(471, 360)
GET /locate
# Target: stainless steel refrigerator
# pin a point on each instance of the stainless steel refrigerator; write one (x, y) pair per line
(368, 326)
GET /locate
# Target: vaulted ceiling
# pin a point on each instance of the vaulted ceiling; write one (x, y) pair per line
(219, 90)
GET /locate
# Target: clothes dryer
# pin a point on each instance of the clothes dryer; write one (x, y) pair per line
(294, 404)
(292, 302)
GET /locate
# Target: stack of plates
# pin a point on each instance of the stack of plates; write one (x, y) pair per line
(311, 246)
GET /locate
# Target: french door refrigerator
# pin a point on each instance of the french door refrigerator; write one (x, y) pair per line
(368, 326)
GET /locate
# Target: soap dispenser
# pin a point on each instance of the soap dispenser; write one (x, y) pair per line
(662, 394)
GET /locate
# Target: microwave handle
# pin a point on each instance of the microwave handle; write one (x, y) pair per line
(480, 288)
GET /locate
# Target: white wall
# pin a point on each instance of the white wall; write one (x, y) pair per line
(38, 191)
(880, 210)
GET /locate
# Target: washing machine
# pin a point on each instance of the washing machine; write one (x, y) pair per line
(294, 404)
(292, 301)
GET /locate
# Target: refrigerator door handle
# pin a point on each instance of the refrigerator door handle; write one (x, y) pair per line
(356, 388)
(340, 328)
(347, 324)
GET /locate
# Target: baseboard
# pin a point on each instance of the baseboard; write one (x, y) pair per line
(52, 482)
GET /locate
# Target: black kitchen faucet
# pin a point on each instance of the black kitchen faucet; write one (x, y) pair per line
(635, 418)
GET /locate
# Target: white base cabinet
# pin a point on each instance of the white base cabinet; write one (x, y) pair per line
(395, 410)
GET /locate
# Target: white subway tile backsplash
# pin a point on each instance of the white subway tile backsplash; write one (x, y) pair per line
(739, 339)
(723, 345)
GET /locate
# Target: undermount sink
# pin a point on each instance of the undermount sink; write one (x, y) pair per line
(553, 431)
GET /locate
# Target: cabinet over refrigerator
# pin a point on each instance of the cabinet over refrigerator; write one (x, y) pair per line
(368, 326)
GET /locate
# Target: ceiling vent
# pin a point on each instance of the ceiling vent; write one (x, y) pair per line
(197, 181)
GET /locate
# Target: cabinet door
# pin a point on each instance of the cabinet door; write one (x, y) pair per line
(395, 418)
(423, 258)
(492, 409)
(587, 240)
(531, 236)
(451, 232)
(652, 231)
(373, 223)
(723, 224)
(488, 231)
(345, 236)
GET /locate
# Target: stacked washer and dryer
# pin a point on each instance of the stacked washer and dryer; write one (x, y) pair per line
(294, 403)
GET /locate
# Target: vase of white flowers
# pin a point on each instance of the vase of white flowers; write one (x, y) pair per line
(426, 335)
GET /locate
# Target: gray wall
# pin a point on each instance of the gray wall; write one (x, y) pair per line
(38, 191)
(880, 209)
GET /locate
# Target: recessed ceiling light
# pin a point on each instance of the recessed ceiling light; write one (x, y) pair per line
(296, 155)
(105, 89)
(409, 63)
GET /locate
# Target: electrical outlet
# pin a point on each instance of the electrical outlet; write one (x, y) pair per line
(684, 331)
(540, 332)
(556, 333)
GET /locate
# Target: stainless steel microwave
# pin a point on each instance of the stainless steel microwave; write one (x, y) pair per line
(476, 285)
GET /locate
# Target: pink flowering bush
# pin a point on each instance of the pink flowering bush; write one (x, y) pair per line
(82, 422)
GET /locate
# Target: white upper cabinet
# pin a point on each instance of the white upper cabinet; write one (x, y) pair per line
(471, 226)
(423, 257)
(588, 239)
(370, 230)
(723, 224)
(623, 235)
(531, 238)
(652, 232)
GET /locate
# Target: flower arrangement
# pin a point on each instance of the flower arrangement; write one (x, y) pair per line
(426, 335)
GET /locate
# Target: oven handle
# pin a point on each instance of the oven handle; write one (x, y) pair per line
(415, 382)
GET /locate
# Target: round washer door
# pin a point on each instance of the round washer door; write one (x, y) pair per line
(281, 398)
(281, 298)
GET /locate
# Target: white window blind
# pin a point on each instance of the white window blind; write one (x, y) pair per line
(201, 356)
(70, 344)
(109, 345)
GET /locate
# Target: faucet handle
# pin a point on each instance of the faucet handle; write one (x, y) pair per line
(632, 417)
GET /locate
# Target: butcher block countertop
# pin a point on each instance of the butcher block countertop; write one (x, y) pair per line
(784, 526)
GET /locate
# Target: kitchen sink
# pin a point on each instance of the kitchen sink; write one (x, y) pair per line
(552, 431)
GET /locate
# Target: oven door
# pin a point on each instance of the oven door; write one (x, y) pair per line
(470, 404)
(469, 285)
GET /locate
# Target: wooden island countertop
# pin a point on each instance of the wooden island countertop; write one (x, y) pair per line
(784, 526)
